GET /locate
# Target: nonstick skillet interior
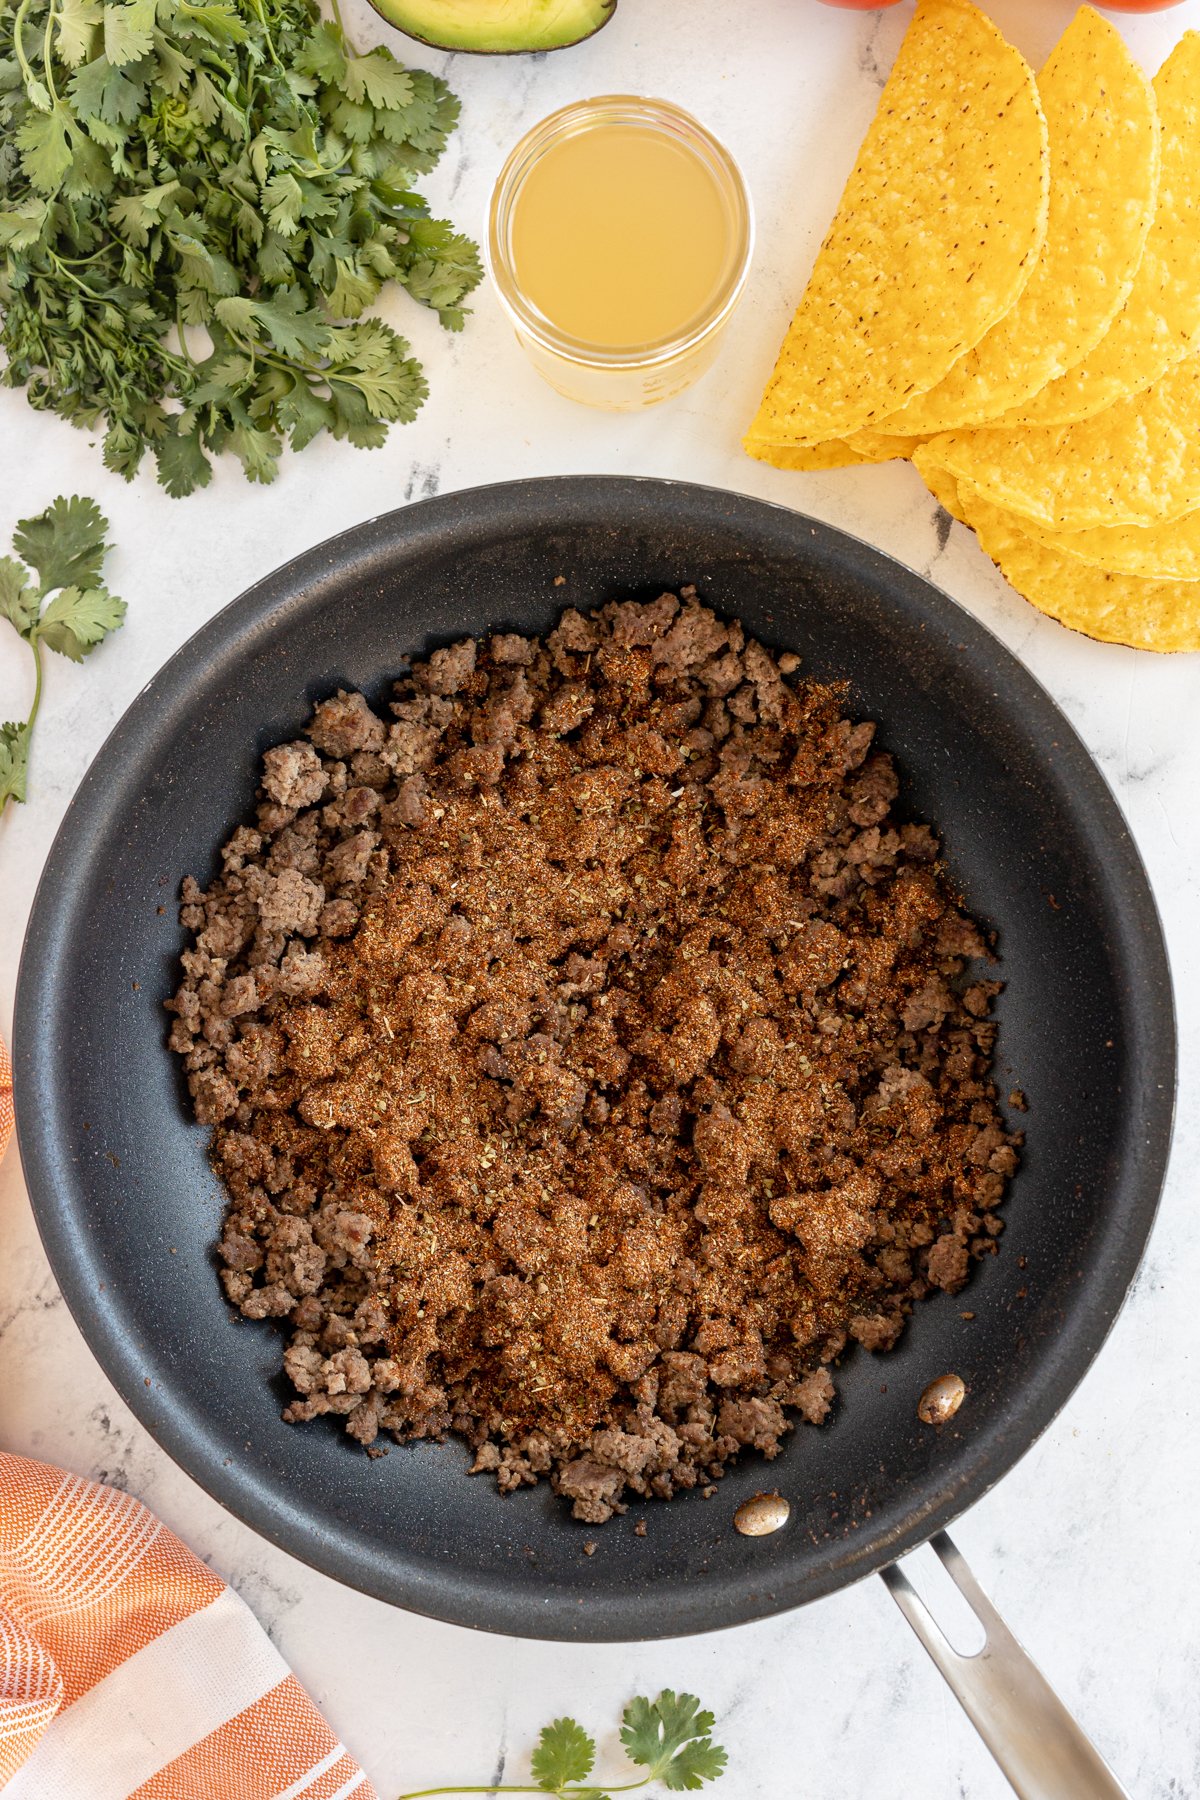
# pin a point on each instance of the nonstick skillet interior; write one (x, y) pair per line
(129, 1209)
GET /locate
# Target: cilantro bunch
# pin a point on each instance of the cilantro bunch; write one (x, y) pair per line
(197, 204)
(64, 548)
(671, 1738)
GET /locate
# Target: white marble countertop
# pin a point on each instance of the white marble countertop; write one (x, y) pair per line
(1089, 1545)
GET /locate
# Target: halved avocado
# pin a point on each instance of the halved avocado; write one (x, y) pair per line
(497, 26)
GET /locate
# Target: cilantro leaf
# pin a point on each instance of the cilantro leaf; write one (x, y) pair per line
(237, 314)
(564, 1753)
(203, 269)
(99, 90)
(352, 421)
(670, 1737)
(257, 451)
(14, 761)
(695, 1764)
(353, 290)
(292, 327)
(77, 619)
(358, 123)
(367, 357)
(275, 264)
(302, 414)
(182, 464)
(377, 77)
(128, 30)
(18, 601)
(171, 66)
(44, 143)
(66, 544)
(204, 99)
(324, 55)
(136, 215)
(21, 226)
(38, 94)
(217, 21)
(444, 267)
(123, 446)
(74, 24)
(283, 198)
(88, 171)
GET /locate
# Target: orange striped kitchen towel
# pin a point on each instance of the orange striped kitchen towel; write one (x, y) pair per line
(128, 1670)
(6, 1099)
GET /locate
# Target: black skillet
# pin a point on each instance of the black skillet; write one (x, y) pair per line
(128, 1208)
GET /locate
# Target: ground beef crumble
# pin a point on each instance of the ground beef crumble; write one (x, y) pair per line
(591, 1055)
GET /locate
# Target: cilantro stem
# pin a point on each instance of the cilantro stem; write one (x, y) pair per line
(19, 45)
(349, 43)
(62, 268)
(329, 374)
(503, 1788)
(260, 13)
(560, 1793)
(47, 52)
(77, 262)
(182, 366)
(35, 645)
(181, 332)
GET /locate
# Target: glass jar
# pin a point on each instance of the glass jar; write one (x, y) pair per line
(622, 377)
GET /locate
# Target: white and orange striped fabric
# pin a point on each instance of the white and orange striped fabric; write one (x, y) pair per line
(6, 1099)
(128, 1670)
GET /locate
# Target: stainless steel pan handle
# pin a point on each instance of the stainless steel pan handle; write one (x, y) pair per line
(1012, 1706)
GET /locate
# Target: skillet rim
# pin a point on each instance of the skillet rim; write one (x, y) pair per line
(461, 1596)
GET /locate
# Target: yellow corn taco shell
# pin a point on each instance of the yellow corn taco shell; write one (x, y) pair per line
(834, 453)
(1104, 164)
(1169, 552)
(1160, 322)
(1117, 609)
(1138, 463)
(938, 230)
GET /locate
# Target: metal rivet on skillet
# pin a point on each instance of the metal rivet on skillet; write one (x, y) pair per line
(941, 1400)
(761, 1515)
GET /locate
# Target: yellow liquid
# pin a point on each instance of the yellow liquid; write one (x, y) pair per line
(620, 235)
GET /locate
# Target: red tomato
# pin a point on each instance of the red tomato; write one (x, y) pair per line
(1136, 5)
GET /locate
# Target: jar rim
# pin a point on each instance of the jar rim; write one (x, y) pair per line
(568, 121)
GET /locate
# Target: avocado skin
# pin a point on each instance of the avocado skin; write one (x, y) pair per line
(494, 35)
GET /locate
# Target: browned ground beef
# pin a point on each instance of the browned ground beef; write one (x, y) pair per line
(590, 1055)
